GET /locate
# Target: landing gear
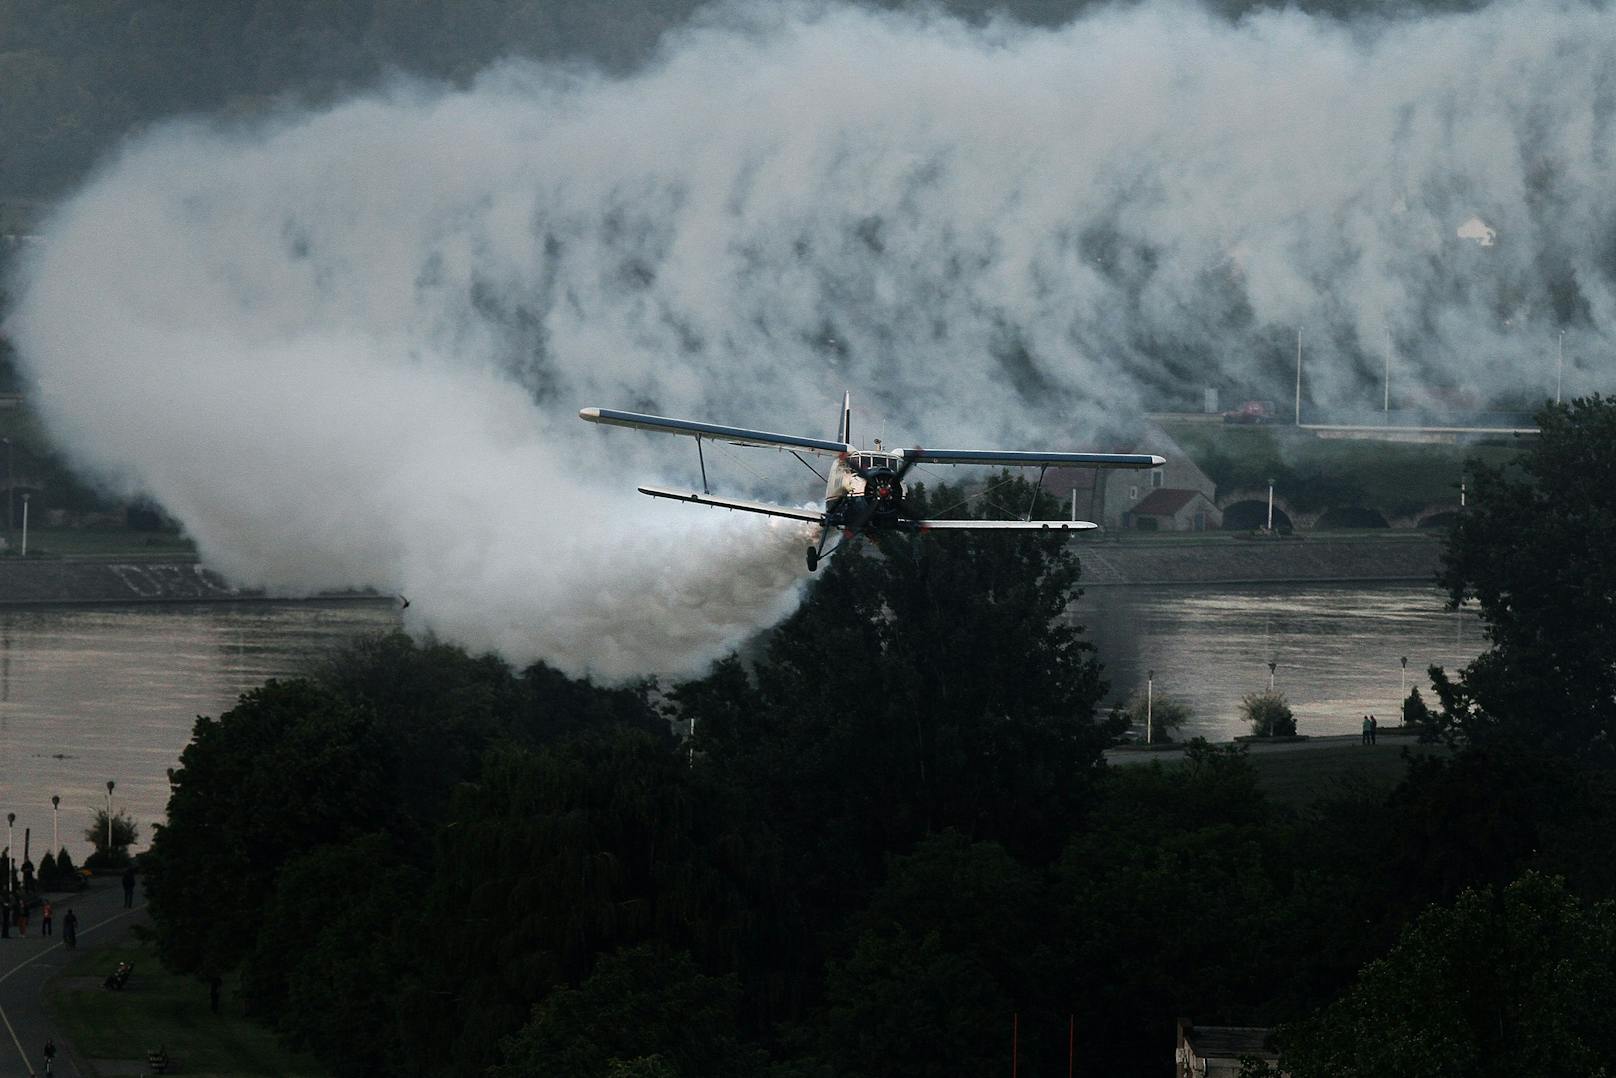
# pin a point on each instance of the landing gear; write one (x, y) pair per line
(813, 558)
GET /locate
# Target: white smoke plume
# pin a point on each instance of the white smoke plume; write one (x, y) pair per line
(348, 347)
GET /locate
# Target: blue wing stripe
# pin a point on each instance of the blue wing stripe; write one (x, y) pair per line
(739, 435)
(1031, 459)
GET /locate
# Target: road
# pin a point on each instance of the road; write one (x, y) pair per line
(26, 963)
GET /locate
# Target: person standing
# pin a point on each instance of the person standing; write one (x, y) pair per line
(45, 919)
(1374, 728)
(50, 1056)
(1366, 729)
(70, 930)
(129, 887)
(21, 917)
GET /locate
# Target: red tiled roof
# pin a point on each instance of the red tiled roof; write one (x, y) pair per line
(1164, 502)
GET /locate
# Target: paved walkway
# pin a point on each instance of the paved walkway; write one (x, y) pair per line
(1168, 755)
(26, 963)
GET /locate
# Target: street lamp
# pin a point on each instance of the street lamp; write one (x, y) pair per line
(56, 833)
(1271, 675)
(25, 525)
(1150, 694)
(1270, 511)
(1404, 661)
(110, 785)
(1559, 368)
(11, 818)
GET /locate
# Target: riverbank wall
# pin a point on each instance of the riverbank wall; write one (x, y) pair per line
(71, 581)
(1232, 560)
(1214, 560)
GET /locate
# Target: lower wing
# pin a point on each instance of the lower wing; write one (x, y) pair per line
(1006, 525)
(812, 516)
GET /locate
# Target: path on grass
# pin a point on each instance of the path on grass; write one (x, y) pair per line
(27, 962)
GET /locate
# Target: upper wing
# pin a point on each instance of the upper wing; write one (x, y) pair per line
(1000, 525)
(1031, 459)
(812, 516)
(733, 435)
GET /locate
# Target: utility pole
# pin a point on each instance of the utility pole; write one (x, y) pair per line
(1298, 377)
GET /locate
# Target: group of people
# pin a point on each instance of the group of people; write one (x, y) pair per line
(15, 914)
(1369, 728)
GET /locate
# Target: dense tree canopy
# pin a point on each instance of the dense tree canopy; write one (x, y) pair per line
(1513, 983)
(1533, 551)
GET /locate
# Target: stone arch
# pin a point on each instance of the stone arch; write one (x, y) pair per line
(1439, 515)
(1282, 508)
(1244, 516)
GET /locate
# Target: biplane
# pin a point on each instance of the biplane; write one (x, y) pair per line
(864, 491)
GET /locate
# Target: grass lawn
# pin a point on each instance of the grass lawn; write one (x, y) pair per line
(1317, 773)
(160, 1008)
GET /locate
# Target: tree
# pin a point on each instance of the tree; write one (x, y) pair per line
(1548, 676)
(1511, 983)
(1269, 714)
(641, 1013)
(923, 685)
(124, 832)
(290, 767)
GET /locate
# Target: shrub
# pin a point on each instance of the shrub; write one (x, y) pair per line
(1268, 714)
(1166, 714)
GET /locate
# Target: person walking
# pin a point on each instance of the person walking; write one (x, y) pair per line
(45, 919)
(1374, 728)
(50, 1057)
(129, 887)
(70, 930)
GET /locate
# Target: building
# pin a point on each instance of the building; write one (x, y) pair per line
(1216, 1051)
(1178, 496)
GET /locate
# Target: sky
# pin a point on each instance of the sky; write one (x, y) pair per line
(348, 346)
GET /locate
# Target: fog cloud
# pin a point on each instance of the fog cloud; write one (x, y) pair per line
(348, 347)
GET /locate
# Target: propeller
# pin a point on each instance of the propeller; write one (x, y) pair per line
(883, 491)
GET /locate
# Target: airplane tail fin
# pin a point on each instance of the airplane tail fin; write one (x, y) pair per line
(844, 430)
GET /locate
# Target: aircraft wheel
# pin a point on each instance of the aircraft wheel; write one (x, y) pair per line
(813, 558)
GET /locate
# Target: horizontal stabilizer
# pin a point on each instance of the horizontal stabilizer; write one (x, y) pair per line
(1006, 525)
(695, 429)
(812, 516)
(1020, 459)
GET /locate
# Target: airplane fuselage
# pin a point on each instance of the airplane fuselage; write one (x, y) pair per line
(863, 491)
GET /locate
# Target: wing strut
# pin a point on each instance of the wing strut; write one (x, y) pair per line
(1037, 488)
(805, 464)
(703, 460)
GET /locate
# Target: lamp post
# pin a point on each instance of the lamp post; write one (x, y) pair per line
(1559, 368)
(1150, 700)
(1271, 667)
(56, 832)
(1270, 511)
(25, 525)
(110, 785)
(11, 818)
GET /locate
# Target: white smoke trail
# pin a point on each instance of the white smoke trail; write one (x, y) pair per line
(348, 347)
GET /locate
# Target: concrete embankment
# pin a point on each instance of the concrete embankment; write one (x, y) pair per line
(1215, 560)
(1230, 560)
(118, 580)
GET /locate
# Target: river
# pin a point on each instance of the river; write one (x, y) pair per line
(92, 694)
(1336, 648)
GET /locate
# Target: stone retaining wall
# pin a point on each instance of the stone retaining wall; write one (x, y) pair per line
(1226, 561)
